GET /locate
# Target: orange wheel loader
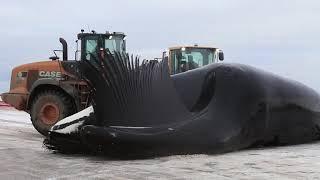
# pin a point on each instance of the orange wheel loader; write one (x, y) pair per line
(50, 90)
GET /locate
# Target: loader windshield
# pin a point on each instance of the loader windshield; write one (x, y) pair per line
(114, 43)
(93, 44)
(185, 59)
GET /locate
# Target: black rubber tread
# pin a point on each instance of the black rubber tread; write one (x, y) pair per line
(64, 102)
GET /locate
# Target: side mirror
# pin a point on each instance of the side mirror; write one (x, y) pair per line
(165, 55)
(76, 53)
(221, 55)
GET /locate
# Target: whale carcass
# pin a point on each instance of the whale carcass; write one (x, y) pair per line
(138, 108)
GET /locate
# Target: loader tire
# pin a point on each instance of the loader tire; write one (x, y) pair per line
(48, 107)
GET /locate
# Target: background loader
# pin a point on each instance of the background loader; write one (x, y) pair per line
(184, 58)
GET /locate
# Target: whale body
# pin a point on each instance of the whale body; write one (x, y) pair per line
(138, 108)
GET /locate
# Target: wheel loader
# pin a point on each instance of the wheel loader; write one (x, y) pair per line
(185, 58)
(51, 90)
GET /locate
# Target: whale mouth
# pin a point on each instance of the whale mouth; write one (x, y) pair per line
(65, 137)
(71, 124)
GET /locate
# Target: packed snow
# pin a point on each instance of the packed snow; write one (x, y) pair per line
(69, 129)
(83, 113)
(73, 127)
(3, 103)
(12, 115)
(23, 156)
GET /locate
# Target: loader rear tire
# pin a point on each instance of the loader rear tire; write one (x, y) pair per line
(48, 107)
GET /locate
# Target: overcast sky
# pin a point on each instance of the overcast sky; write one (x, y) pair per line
(281, 36)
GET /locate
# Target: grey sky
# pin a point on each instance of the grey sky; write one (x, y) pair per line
(281, 36)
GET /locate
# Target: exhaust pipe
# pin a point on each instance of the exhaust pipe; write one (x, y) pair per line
(64, 49)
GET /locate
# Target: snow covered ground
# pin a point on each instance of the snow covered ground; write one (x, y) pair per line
(2, 103)
(24, 157)
(11, 115)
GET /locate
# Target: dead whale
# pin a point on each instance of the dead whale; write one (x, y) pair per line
(138, 108)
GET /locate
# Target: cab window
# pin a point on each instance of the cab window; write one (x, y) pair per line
(115, 44)
(190, 58)
(91, 48)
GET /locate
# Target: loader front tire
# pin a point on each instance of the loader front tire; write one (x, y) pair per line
(48, 107)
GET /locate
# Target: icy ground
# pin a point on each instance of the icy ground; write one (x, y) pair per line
(23, 157)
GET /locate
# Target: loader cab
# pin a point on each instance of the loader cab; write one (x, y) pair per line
(92, 44)
(186, 58)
